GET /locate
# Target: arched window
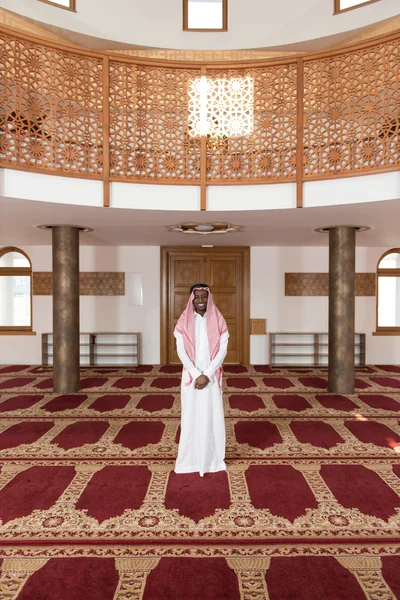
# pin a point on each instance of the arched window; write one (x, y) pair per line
(388, 293)
(15, 291)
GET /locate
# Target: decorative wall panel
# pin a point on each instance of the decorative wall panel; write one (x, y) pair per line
(351, 111)
(51, 108)
(365, 284)
(269, 151)
(149, 137)
(90, 284)
(317, 284)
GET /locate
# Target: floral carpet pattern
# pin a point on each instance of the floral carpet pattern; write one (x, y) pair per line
(90, 506)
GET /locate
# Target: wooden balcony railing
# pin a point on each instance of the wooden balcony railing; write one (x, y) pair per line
(93, 115)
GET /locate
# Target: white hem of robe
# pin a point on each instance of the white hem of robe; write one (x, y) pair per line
(196, 469)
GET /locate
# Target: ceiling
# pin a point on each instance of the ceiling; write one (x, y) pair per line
(313, 45)
(155, 27)
(129, 227)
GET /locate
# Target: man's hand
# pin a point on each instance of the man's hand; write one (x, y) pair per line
(201, 382)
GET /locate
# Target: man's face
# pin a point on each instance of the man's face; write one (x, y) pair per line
(200, 301)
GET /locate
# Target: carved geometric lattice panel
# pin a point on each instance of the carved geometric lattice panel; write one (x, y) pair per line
(269, 151)
(90, 283)
(149, 137)
(352, 111)
(317, 284)
(221, 107)
(50, 108)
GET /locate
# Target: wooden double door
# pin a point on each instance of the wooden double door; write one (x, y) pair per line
(227, 271)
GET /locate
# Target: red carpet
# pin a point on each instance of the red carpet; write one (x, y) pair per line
(309, 506)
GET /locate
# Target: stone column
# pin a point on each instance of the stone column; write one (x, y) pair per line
(341, 309)
(66, 309)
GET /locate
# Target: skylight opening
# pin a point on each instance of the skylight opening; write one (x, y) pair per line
(343, 5)
(205, 15)
(67, 4)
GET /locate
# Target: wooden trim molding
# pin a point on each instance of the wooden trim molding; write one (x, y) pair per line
(106, 131)
(9, 331)
(391, 251)
(8, 249)
(388, 332)
(300, 129)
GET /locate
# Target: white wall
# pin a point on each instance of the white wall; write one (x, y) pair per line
(97, 313)
(268, 300)
(51, 188)
(154, 196)
(310, 313)
(258, 197)
(352, 190)
(253, 24)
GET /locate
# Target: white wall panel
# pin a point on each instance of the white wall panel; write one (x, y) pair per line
(352, 190)
(251, 197)
(51, 188)
(155, 197)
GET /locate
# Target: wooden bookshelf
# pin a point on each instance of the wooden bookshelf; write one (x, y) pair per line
(100, 349)
(306, 349)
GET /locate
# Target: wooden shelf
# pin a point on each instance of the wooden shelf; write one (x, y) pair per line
(293, 354)
(316, 343)
(93, 358)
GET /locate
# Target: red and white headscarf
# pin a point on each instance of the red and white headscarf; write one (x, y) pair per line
(216, 327)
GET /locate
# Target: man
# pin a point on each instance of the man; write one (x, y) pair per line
(202, 342)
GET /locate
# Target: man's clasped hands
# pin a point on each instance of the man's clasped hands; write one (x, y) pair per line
(201, 382)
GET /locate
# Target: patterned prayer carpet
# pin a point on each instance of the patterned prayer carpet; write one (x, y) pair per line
(90, 506)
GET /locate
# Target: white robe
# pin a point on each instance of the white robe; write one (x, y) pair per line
(202, 442)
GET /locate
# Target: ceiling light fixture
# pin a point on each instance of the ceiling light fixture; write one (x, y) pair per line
(205, 228)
